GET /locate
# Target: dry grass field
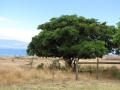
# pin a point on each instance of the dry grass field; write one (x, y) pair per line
(16, 74)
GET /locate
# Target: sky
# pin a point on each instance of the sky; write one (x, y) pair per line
(19, 18)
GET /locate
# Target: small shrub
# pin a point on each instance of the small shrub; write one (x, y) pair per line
(63, 68)
(87, 69)
(111, 72)
(55, 64)
(115, 72)
(40, 66)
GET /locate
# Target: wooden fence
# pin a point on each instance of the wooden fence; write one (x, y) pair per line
(99, 62)
(97, 66)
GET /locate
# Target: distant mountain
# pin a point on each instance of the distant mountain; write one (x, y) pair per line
(12, 44)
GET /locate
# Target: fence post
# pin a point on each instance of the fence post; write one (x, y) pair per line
(76, 69)
(31, 63)
(53, 73)
(97, 69)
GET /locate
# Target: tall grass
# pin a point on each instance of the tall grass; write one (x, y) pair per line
(104, 72)
(16, 75)
(24, 78)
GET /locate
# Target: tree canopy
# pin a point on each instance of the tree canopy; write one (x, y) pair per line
(72, 36)
(116, 40)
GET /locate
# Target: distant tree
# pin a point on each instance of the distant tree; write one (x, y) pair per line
(116, 40)
(118, 25)
(70, 37)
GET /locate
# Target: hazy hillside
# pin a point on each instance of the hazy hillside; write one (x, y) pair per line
(12, 48)
(12, 44)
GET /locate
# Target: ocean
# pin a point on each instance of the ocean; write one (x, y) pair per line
(12, 52)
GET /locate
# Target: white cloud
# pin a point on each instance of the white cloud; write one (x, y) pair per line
(17, 34)
(12, 30)
(7, 20)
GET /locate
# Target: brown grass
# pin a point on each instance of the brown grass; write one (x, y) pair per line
(16, 75)
(18, 72)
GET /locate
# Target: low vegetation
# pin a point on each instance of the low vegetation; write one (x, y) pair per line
(19, 76)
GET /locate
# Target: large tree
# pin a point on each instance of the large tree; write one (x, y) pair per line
(70, 37)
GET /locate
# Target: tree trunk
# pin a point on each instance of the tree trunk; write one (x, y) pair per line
(97, 69)
(76, 69)
(32, 62)
(74, 66)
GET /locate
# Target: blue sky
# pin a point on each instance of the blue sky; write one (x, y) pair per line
(20, 18)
